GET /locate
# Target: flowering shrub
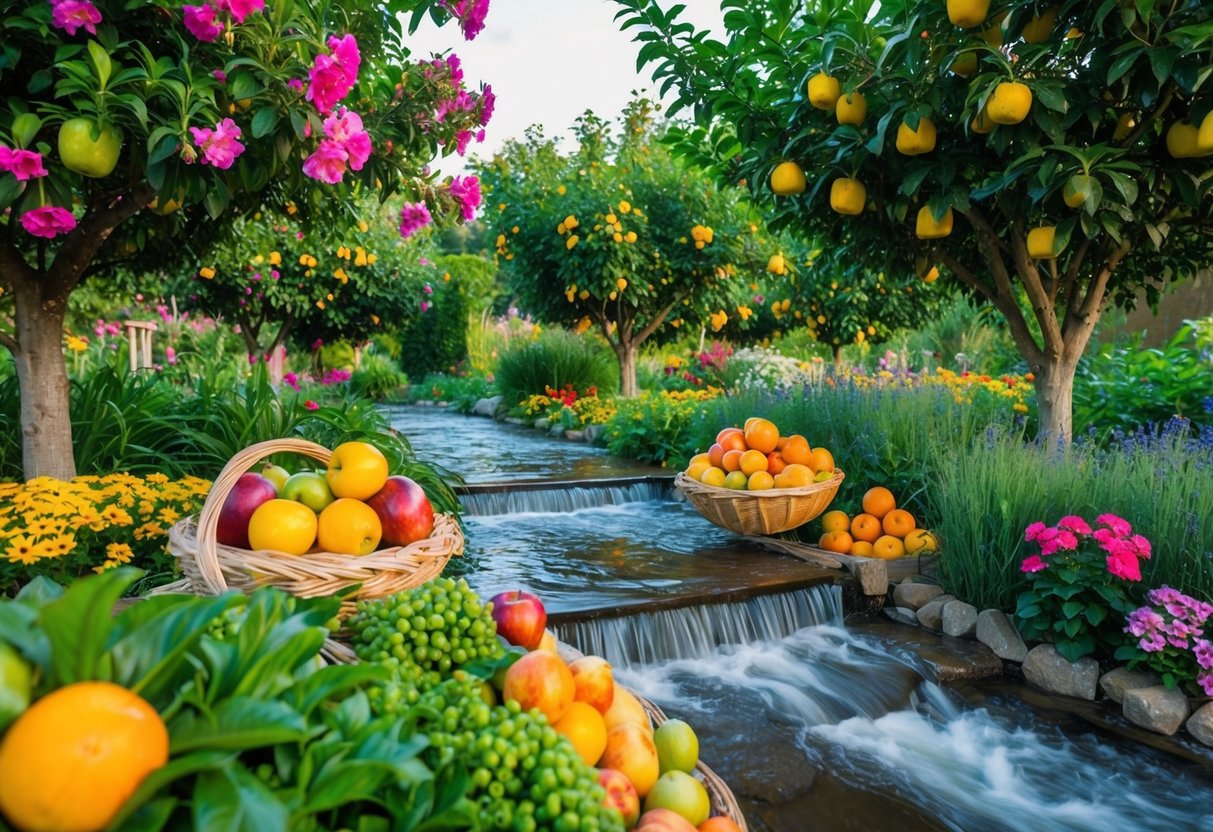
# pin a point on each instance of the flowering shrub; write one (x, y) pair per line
(61, 529)
(1171, 639)
(759, 368)
(1079, 577)
(652, 427)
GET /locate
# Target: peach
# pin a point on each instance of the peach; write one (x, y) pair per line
(540, 680)
(621, 794)
(593, 682)
(630, 749)
(663, 820)
(626, 710)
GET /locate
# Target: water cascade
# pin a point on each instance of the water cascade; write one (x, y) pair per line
(522, 500)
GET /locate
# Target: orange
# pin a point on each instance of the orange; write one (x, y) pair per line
(698, 458)
(725, 433)
(718, 824)
(865, 527)
(916, 142)
(284, 526)
(888, 547)
(861, 548)
(748, 422)
(797, 450)
(732, 460)
(753, 461)
(1010, 103)
(695, 469)
(839, 542)
(920, 542)
(787, 179)
(898, 522)
(783, 440)
(775, 462)
(821, 460)
(835, 521)
(824, 91)
(732, 439)
(762, 435)
(878, 501)
(716, 455)
(926, 227)
(349, 527)
(585, 729)
(1041, 243)
(760, 481)
(713, 476)
(75, 756)
(794, 476)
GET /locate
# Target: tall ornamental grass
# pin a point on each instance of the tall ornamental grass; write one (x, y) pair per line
(553, 360)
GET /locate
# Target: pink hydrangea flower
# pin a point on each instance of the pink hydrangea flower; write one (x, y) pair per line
(23, 164)
(413, 217)
(1032, 563)
(73, 15)
(48, 221)
(332, 76)
(219, 147)
(327, 162)
(1074, 523)
(201, 23)
(1033, 531)
(1124, 564)
(465, 190)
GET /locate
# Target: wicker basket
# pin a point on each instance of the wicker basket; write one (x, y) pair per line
(211, 568)
(760, 512)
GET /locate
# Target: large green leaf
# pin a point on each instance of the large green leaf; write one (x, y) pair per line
(78, 625)
(237, 724)
(156, 782)
(235, 801)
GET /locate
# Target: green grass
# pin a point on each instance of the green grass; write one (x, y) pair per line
(554, 359)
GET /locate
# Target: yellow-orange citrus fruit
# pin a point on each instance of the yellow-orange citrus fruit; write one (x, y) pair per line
(916, 142)
(1204, 134)
(851, 108)
(821, 460)
(1010, 103)
(968, 13)
(835, 521)
(787, 179)
(283, 526)
(839, 542)
(824, 91)
(847, 196)
(348, 527)
(753, 461)
(920, 542)
(878, 501)
(585, 729)
(926, 227)
(1041, 243)
(762, 435)
(1183, 141)
(713, 476)
(982, 123)
(888, 547)
(861, 548)
(796, 450)
(1040, 26)
(760, 481)
(965, 64)
(898, 522)
(865, 527)
(1076, 190)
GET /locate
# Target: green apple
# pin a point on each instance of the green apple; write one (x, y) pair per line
(736, 480)
(89, 148)
(276, 474)
(677, 746)
(309, 488)
(681, 793)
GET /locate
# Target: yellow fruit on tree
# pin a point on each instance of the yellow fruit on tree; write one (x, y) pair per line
(1076, 190)
(824, 91)
(1041, 242)
(787, 179)
(75, 756)
(926, 227)
(982, 123)
(993, 35)
(916, 142)
(776, 265)
(1124, 125)
(1183, 141)
(967, 13)
(1040, 27)
(851, 108)
(1010, 103)
(847, 196)
(1204, 134)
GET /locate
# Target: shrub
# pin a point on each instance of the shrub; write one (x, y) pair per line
(656, 427)
(555, 359)
(378, 378)
(436, 340)
(461, 392)
(1170, 634)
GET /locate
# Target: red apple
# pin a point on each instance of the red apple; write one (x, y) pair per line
(249, 492)
(404, 511)
(520, 617)
(621, 794)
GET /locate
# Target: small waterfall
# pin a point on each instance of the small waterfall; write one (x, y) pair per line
(522, 500)
(696, 631)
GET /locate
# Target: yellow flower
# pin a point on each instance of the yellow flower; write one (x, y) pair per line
(343, 252)
(77, 344)
(149, 530)
(320, 304)
(1019, 407)
(341, 275)
(22, 549)
(625, 207)
(622, 283)
(61, 545)
(291, 209)
(360, 256)
(718, 320)
(570, 222)
(571, 241)
(363, 227)
(119, 552)
(630, 236)
(157, 478)
(562, 190)
(207, 273)
(275, 258)
(168, 516)
(745, 312)
(116, 516)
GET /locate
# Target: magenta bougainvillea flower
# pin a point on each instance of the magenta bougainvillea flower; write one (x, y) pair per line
(332, 76)
(219, 147)
(345, 128)
(48, 221)
(23, 164)
(327, 162)
(202, 22)
(413, 217)
(471, 14)
(465, 190)
(73, 15)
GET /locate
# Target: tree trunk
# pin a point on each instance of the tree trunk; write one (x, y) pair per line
(1055, 398)
(46, 424)
(838, 359)
(626, 353)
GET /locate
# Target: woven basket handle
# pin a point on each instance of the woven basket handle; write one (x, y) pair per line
(241, 463)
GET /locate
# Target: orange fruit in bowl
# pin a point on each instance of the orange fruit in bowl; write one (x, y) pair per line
(713, 476)
(783, 440)
(736, 480)
(795, 476)
(699, 458)
(861, 548)
(732, 460)
(695, 469)
(898, 523)
(349, 527)
(761, 481)
(761, 435)
(796, 450)
(753, 461)
(839, 542)
(888, 547)
(821, 460)
(878, 502)
(748, 422)
(775, 462)
(921, 542)
(584, 727)
(718, 824)
(835, 521)
(731, 439)
(284, 526)
(865, 527)
(716, 455)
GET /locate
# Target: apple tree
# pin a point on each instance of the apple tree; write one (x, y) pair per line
(616, 235)
(1049, 158)
(132, 130)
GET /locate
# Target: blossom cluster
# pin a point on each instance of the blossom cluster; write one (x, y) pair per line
(1173, 623)
(46, 221)
(1124, 550)
(73, 15)
(206, 22)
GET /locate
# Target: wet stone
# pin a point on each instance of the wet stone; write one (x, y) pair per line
(1051, 671)
(930, 615)
(594, 432)
(1116, 683)
(540, 424)
(556, 429)
(486, 406)
(915, 595)
(995, 630)
(575, 435)
(959, 619)
(902, 615)
(1159, 709)
(1201, 724)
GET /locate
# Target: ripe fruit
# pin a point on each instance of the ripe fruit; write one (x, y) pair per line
(663, 820)
(541, 680)
(716, 455)
(760, 481)
(695, 469)
(898, 523)
(836, 541)
(965, 64)
(775, 463)
(861, 548)
(775, 265)
(865, 527)
(1204, 134)
(1010, 103)
(582, 725)
(762, 435)
(787, 179)
(77, 754)
(847, 196)
(626, 710)
(732, 439)
(736, 480)
(982, 123)
(593, 682)
(888, 547)
(283, 526)
(920, 542)
(247, 495)
(677, 746)
(1183, 141)
(310, 488)
(927, 227)
(275, 474)
(1041, 243)
(16, 681)
(851, 109)
(357, 470)
(794, 476)
(1076, 190)
(404, 511)
(1040, 26)
(916, 142)
(548, 643)
(520, 616)
(89, 148)
(680, 792)
(719, 824)
(752, 462)
(1124, 125)
(824, 91)
(349, 527)
(630, 749)
(835, 521)
(967, 13)
(878, 501)
(732, 460)
(796, 450)
(621, 794)
(821, 461)
(714, 477)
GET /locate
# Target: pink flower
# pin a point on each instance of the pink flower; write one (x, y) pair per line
(1124, 564)
(488, 103)
(1075, 524)
(413, 217)
(219, 75)
(1143, 546)
(453, 63)
(1117, 524)
(1033, 531)
(219, 146)
(465, 190)
(48, 222)
(73, 15)
(291, 380)
(170, 355)
(295, 84)
(241, 9)
(327, 162)
(311, 405)
(1066, 540)
(346, 129)
(318, 343)
(201, 23)
(425, 306)
(23, 164)
(1032, 563)
(471, 14)
(462, 139)
(333, 76)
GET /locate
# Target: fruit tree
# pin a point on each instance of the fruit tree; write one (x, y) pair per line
(617, 235)
(132, 129)
(1045, 156)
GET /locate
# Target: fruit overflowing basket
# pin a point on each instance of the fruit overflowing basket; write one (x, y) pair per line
(278, 548)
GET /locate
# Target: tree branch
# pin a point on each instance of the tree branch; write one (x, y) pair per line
(659, 319)
(82, 243)
(1042, 305)
(9, 342)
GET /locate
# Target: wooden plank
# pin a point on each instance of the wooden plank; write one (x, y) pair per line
(820, 557)
(872, 573)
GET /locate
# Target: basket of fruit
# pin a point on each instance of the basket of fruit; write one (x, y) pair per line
(753, 481)
(314, 533)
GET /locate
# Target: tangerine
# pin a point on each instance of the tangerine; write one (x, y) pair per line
(888, 547)
(775, 462)
(835, 521)
(821, 460)
(865, 527)
(797, 450)
(753, 461)
(761, 481)
(762, 435)
(920, 541)
(732, 439)
(861, 548)
(584, 727)
(898, 522)
(839, 542)
(878, 501)
(283, 526)
(732, 460)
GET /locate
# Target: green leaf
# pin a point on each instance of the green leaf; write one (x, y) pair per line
(235, 801)
(1072, 627)
(264, 121)
(1052, 98)
(237, 724)
(1122, 65)
(1072, 609)
(25, 128)
(1095, 614)
(10, 189)
(329, 681)
(101, 62)
(151, 817)
(161, 778)
(78, 625)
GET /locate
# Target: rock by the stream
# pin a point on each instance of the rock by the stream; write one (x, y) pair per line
(486, 407)
(915, 595)
(556, 429)
(575, 435)
(1200, 725)
(540, 424)
(902, 615)
(995, 630)
(930, 614)
(594, 432)
(1159, 709)
(513, 420)
(1116, 683)
(1048, 669)
(959, 619)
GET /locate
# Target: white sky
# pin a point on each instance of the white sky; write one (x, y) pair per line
(550, 60)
